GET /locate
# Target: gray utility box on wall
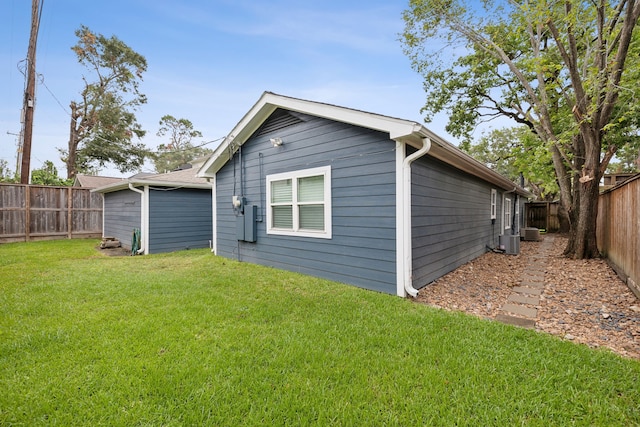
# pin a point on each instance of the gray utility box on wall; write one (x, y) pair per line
(246, 225)
(510, 243)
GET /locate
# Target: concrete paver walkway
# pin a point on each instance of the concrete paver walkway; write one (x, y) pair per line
(520, 308)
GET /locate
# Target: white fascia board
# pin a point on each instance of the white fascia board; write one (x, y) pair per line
(138, 182)
(238, 136)
(396, 128)
(408, 132)
(111, 187)
(174, 184)
(448, 153)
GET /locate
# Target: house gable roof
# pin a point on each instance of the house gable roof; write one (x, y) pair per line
(185, 178)
(93, 181)
(406, 131)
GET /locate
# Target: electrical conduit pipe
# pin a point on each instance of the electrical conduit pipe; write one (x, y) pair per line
(407, 265)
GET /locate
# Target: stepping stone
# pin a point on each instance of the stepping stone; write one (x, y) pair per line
(516, 321)
(523, 299)
(527, 290)
(529, 312)
(532, 284)
(535, 275)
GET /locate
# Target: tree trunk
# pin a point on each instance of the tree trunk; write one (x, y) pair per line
(563, 219)
(582, 239)
(563, 177)
(582, 242)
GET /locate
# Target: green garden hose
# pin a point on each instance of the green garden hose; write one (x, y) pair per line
(135, 241)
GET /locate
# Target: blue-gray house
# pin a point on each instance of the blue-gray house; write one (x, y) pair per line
(173, 211)
(364, 199)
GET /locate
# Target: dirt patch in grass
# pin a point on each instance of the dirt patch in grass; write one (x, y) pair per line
(114, 251)
(583, 300)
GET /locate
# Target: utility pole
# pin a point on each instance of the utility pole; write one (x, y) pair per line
(30, 94)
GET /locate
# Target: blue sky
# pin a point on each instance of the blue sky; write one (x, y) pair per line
(209, 62)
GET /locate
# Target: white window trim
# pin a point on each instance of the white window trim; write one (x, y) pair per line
(494, 203)
(517, 212)
(507, 213)
(294, 176)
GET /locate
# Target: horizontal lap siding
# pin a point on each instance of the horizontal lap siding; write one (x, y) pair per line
(451, 219)
(362, 249)
(121, 215)
(179, 219)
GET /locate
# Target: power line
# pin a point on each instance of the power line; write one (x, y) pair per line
(41, 78)
(42, 81)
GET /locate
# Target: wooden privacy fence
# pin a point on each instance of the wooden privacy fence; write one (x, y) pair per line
(33, 212)
(618, 230)
(542, 215)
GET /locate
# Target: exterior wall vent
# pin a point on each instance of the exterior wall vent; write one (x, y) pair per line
(280, 119)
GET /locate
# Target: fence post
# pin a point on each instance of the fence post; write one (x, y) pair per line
(69, 214)
(27, 213)
(548, 217)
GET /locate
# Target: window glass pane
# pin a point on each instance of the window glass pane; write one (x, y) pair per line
(312, 217)
(494, 197)
(281, 191)
(311, 189)
(282, 217)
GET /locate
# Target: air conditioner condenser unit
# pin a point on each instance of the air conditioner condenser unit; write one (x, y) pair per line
(510, 243)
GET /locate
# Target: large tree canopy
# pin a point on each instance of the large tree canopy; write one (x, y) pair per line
(6, 174)
(180, 150)
(515, 153)
(566, 69)
(48, 175)
(103, 124)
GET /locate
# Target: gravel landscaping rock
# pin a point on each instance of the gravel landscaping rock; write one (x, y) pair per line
(583, 300)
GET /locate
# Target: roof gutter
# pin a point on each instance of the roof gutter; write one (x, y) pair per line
(405, 264)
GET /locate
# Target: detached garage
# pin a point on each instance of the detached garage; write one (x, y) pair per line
(173, 211)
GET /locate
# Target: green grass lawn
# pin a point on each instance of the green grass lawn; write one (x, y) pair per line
(192, 339)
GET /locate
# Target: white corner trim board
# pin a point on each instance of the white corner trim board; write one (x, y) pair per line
(404, 253)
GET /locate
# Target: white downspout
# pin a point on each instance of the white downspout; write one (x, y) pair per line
(405, 285)
(145, 223)
(143, 217)
(103, 214)
(214, 216)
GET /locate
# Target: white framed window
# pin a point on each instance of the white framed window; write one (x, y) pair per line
(507, 213)
(299, 203)
(494, 203)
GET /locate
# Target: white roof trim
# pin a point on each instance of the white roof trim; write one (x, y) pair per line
(405, 131)
(145, 182)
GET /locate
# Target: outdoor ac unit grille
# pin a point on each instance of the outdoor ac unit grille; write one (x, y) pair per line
(510, 243)
(530, 234)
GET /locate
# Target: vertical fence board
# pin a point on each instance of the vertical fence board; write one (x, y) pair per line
(12, 210)
(619, 227)
(30, 212)
(543, 215)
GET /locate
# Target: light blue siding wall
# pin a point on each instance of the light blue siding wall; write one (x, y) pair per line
(179, 219)
(121, 215)
(362, 249)
(451, 219)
